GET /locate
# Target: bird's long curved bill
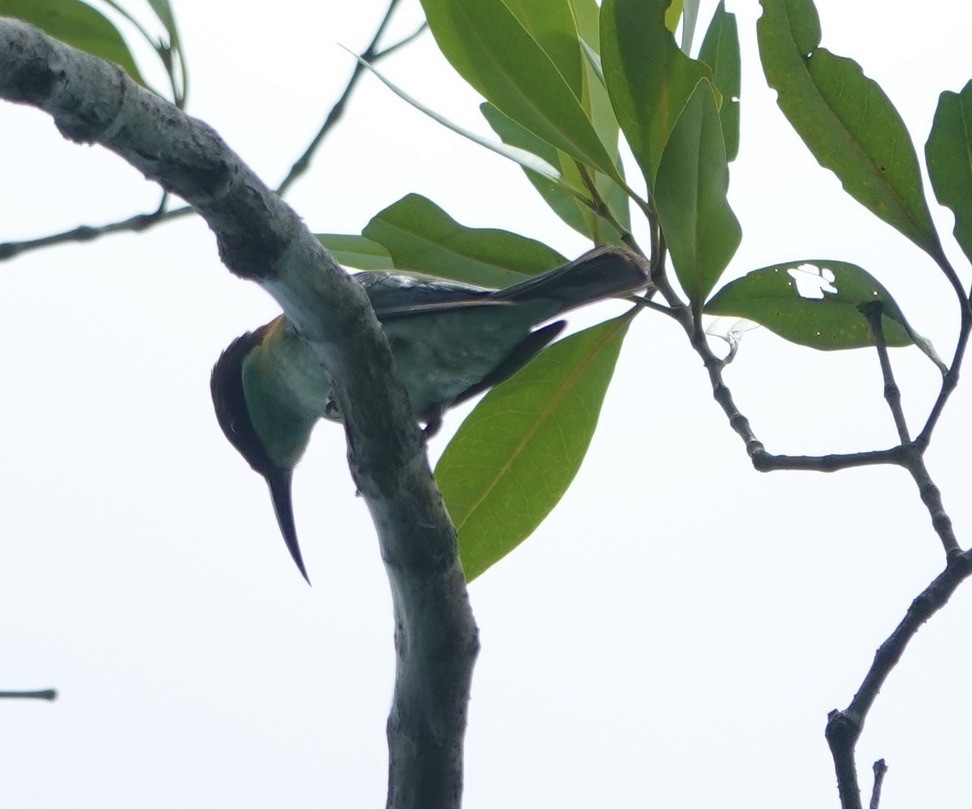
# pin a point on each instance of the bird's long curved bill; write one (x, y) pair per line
(279, 482)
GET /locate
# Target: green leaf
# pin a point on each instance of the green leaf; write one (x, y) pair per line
(674, 14)
(648, 78)
(163, 10)
(551, 23)
(77, 24)
(566, 204)
(492, 51)
(515, 455)
(720, 51)
(949, 156)
(701, 231)
(356, 251)
(845, 119)
(586, 13)
(526, 159)
(817, 304)
(597, 103)
(420, 236)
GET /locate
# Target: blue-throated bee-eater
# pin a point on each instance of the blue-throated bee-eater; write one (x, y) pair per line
(450, 341)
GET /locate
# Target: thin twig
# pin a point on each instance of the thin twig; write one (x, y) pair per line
(88, 233)
(48, 694)
(931, 496)
(880, 769)
(370, 54)
(141, 222)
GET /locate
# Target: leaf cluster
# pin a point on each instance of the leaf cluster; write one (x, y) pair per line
(568, 87)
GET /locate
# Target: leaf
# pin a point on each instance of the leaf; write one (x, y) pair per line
(492, 51)
(163, 10)
(515, 455)
(566, 204)
(420, 236)
(77, 24)
(720, 51)
(701, 231)
(949, 156)
(356, 251)
(597, 103)
(524, 158)
(674, 14)
(551, 23)
(648, 78)
(817, 304)
(845, 119)
(586, 13)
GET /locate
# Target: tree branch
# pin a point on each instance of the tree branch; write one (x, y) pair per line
(844, 727)
(48, 694)
(141, 222)
(262, 239)
(880, 769)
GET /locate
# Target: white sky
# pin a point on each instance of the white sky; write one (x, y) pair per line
(674, 635)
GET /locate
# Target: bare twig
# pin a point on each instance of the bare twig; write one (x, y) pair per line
(880, 769)
(369, 54)
(914, 462)
(141, 222)
(87, 233)
(844, 727)
(48, 694)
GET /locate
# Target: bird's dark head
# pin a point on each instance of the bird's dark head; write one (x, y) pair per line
(228, 385)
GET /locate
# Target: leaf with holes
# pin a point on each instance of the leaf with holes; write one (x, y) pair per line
(845, 119)
(817, 304)
(420, 236)
(515, 455)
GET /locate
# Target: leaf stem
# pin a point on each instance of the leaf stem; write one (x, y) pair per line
(892, 393)
(950, 381)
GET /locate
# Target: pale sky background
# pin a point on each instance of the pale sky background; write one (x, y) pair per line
(673, 636)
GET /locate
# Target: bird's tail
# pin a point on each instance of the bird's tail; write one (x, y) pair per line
(604, 272)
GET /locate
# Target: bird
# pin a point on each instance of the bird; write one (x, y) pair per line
(450, 341)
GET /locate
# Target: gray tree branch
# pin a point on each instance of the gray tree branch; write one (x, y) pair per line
(262, 239)
(144, 221)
